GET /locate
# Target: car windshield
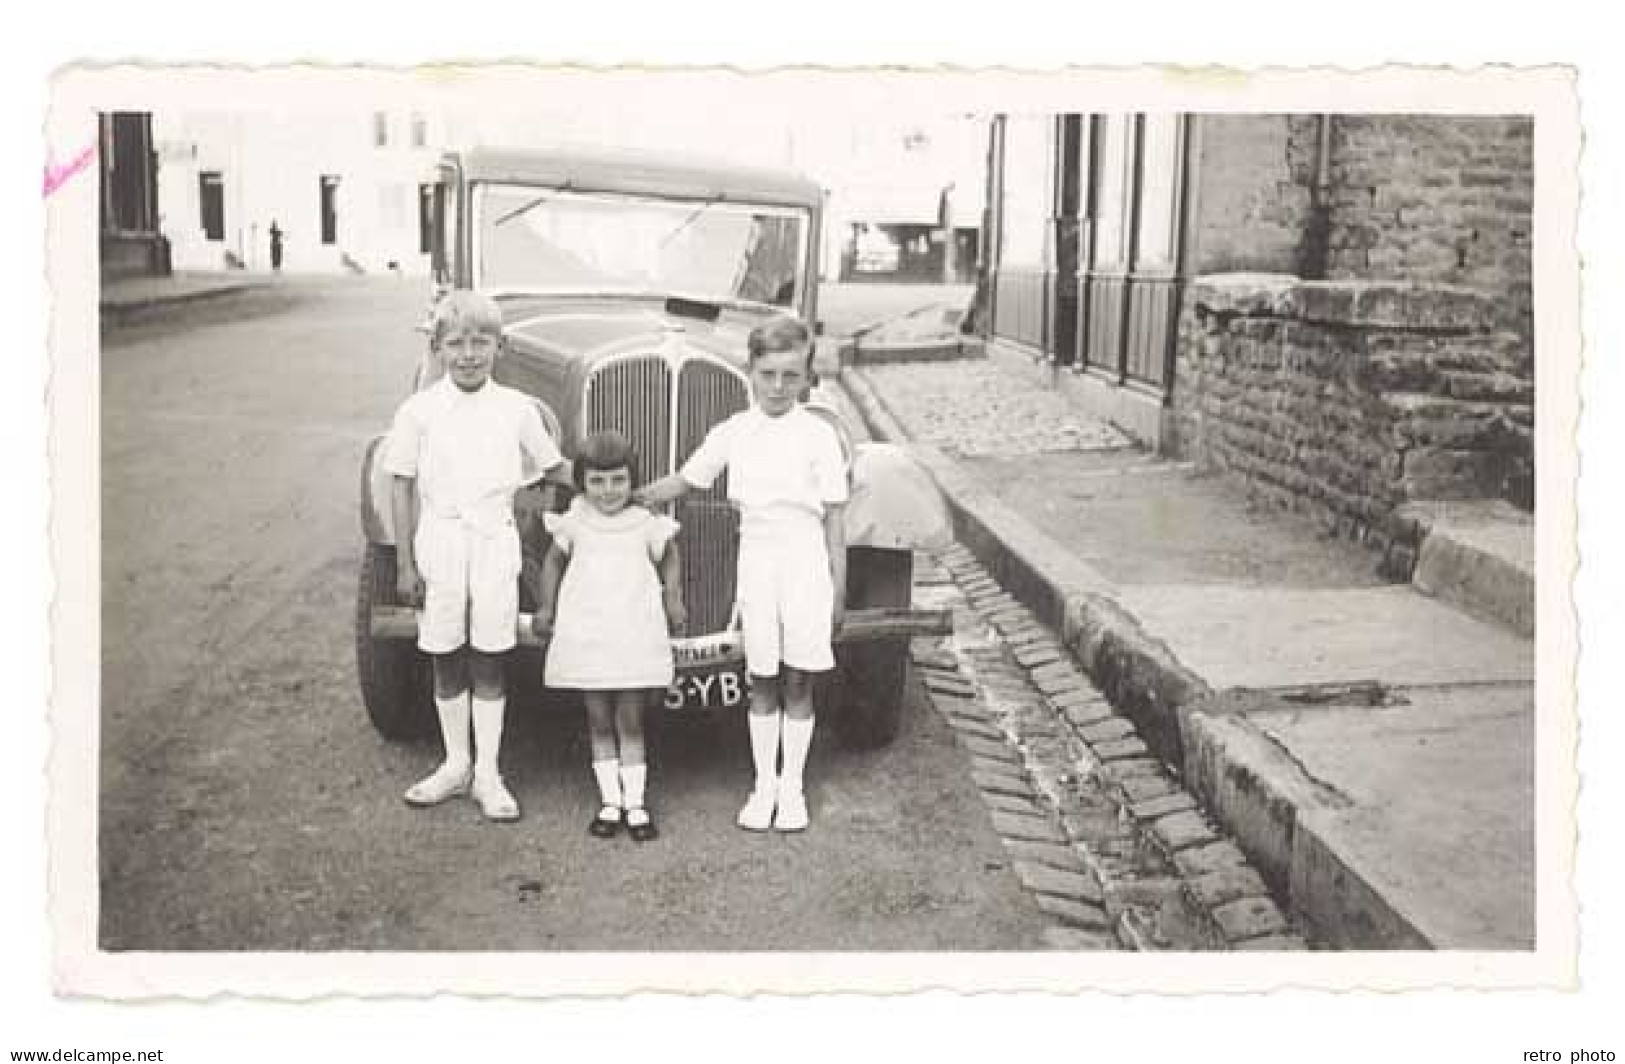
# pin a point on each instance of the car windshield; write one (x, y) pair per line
(551, 240)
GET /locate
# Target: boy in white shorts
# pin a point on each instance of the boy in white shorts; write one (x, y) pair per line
(459, 450)
(787, 475)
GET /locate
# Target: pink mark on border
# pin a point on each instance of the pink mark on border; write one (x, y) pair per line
(57, 176)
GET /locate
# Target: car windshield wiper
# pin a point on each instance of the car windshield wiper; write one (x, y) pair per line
(701, 209)
(526, 209)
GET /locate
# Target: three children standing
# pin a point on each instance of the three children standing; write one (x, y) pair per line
(610, 594)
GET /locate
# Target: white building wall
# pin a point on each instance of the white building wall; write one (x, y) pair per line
(272, 165)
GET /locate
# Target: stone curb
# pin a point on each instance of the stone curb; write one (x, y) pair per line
(860, 351)
(1485, 582)
(1067, 861)
(115, 310)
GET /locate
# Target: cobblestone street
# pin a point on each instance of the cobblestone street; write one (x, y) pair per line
(973, 409)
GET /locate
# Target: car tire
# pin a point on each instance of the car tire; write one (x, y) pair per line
(397, 681)
(865, 695)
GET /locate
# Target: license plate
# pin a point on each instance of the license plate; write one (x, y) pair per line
(710, 674)
(708, 689)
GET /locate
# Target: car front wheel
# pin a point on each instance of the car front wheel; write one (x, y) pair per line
(397, 683)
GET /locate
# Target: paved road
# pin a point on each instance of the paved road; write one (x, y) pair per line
(247, 804)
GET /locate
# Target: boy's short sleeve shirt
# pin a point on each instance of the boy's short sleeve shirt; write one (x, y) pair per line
(793, 461)
(466, 448)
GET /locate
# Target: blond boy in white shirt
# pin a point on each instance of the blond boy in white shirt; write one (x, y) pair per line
(787, 475)
(459, 450)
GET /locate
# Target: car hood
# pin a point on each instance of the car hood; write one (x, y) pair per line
(588, 328)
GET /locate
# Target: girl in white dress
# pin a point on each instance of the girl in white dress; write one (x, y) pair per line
(610, 600)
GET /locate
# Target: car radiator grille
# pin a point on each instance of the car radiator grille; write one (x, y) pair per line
(634, 396)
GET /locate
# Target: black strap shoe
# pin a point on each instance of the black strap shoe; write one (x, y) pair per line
(641, 826)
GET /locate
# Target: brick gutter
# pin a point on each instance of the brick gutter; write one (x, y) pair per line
(1133, 669)
(1199, 733)
(1109, 845)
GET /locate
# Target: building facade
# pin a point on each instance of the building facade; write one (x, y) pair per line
(1336, 308)
(344, 190)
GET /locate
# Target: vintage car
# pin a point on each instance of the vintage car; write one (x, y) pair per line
(628, 286)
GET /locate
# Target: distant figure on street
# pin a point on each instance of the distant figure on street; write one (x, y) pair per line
(276, 246)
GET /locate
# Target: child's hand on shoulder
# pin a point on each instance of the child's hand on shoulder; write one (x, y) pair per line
(541, 626)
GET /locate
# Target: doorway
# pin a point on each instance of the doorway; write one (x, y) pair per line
(329, 209)
(211, 198)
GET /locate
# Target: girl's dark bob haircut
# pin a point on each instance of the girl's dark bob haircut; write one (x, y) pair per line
(603, 451)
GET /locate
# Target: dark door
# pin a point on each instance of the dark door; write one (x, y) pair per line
(132, 194)
(330, 217)
(211, 198)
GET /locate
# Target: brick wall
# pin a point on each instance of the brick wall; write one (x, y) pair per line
(1345, 399)
(1437, 199)
(1255, 174)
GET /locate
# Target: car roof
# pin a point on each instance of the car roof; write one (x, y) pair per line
(639, 173)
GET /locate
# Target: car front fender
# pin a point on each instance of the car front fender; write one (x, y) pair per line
(377, 512)
(894, 504)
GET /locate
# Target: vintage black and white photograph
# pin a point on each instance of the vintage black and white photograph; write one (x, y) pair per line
(1042, 525)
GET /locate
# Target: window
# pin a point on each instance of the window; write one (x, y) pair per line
(1154, 244)
(211, 198)
(1112, 203)
(420, 131)
(1026, 166)
(380, 129)
(426, 218)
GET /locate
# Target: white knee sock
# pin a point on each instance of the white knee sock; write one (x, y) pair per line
(608, 774)
(764, 747)
(454, 713)
(632, 781)
(488, 714)
(797, 741)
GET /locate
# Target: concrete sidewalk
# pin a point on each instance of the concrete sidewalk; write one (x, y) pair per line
(131, 295)
(1368, 744)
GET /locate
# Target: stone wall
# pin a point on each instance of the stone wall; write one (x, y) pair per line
(1255, 175)
(1346, 399)
(1430, 198)
(1437, 199)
